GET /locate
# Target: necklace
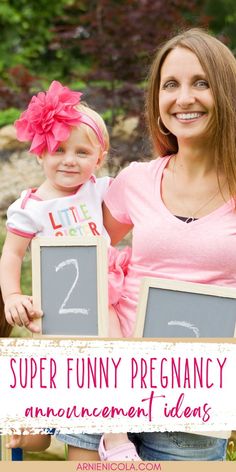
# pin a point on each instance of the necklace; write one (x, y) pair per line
(194, 213)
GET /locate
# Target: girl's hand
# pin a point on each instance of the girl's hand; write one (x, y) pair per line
(29, 442)
(19, 310)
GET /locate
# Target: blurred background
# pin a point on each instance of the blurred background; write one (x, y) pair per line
(102, 48)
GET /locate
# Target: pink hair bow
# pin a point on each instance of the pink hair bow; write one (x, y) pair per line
(48, 118)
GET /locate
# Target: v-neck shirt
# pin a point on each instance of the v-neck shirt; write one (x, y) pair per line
(164, 246)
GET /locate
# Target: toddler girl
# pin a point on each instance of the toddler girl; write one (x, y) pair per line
(71, 142)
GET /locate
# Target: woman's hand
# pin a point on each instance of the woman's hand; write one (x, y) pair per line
(20, 311)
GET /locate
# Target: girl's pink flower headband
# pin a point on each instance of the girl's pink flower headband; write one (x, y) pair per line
(48, 119)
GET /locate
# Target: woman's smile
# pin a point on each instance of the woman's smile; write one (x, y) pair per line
(191, 116)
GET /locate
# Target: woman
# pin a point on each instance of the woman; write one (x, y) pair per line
(181, 206)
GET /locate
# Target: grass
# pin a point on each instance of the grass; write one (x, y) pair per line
(231, 451)
(26, 266)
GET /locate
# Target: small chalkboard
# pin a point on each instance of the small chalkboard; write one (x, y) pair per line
(173, 309)
(70, 285)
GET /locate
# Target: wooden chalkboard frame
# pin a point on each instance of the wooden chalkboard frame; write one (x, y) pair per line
(152, 282)
(102, 270)
(5, 454)
(188, 287)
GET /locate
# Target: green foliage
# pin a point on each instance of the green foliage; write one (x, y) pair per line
(108, 114)
(77, 85)
(222, 20)
(56, 38)
(8, 116)
(26, 31)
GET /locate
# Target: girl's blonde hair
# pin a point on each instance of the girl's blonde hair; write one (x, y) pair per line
(219, 65)
(84, 108)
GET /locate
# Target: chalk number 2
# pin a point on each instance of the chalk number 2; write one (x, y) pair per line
(64, 310)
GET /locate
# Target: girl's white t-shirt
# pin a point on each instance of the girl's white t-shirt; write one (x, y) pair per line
(79, 214)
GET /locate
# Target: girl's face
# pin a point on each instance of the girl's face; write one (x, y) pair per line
(73, 163)
(185, 100)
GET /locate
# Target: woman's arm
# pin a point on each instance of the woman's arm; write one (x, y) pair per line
(115, 229)
(19, 308)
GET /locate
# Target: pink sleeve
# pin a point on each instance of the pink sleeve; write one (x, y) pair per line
(116, 197)
(118, 262)
(18, 232)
